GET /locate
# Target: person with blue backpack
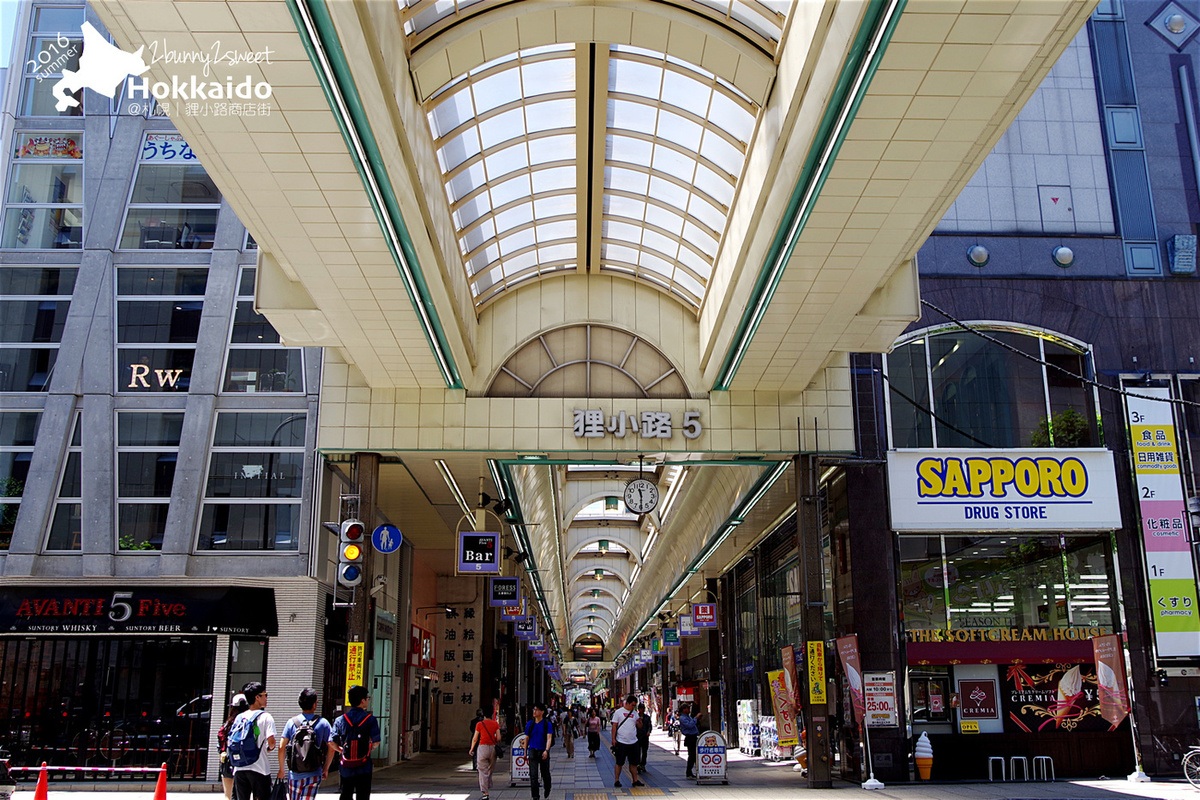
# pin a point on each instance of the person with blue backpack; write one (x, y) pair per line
(250, 741)
(356, 733)
(307, 749)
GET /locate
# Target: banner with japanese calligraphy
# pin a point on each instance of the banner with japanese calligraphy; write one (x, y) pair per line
(1169, 563)
(785, 711)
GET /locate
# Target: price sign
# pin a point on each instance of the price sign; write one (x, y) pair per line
(478, 553)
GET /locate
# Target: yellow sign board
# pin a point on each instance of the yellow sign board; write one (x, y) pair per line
(968, 726)
(355, 653)
(816, 673)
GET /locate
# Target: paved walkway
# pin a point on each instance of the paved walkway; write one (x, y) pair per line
(449, 776)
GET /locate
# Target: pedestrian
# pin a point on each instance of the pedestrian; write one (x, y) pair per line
(471, 728)
(690, 731)
(647, 725)
(356, 733)
(306, 749)
(483, 750)
(251, 739)
(540, 733)
(566, 725)
(594, 724)
(625, 724)
(236, 706)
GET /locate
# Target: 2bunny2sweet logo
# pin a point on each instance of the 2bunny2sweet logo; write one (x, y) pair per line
(103, 67)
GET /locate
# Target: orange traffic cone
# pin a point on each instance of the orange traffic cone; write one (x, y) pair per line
(42, 792)
(160, 789)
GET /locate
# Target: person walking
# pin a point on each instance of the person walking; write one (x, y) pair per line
(690, 731)
(236, 707)
(540, 733)
(483, 750)
(566, 726)
(251, 739)
(306, 750)
(356, 733)
(646, 725)
(593, 731)
(625, 725)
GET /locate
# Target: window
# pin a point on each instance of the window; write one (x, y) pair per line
(55, 45)
(158, 321)
(173, 204)
(44, 204)
(929, 694)
(66, 528)
(33, 311)
(247, 663)
(255, 482)
(18, 433)
(256, 362)
(954, 388)
(147, 449)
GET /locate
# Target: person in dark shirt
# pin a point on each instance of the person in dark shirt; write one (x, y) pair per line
(352, 732)
(644, 736)
(540, 731)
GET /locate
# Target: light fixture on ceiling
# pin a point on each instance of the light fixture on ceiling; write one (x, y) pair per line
(454, 490)
(978, 255)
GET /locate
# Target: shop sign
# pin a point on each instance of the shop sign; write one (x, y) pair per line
(225, 610)
(710, 757)
(687, 627)
(355, 657)
(685, 694)
(594, 424)
(48, 145)
(670, 637)
(504, 591)
(816, 673)
(478, 553)
(847, 647)
(166, 148)
(1110, 678)
(1175, 614)
(1059, 698)
(141, 376)
(961, 489)
(1004, 634)
(785, 711)
(705, 615)
(978, 699)
(420, 649)
(968, 726)
(879, 693)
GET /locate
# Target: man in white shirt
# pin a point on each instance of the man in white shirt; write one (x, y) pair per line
(253, 781)
(625, 724)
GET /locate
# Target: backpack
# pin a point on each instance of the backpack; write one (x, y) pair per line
(243, 746)
(304, 753)
(357, 747)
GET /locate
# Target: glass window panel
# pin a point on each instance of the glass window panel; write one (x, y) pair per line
(684, 91)
(690, 284)
(554, 206)
(694, 262)
(14, 471)
(732, 117)
(228, 526)
(251, 244)
(549, 232)
(656, 241)
(165, 281)
(514, 217)
(909, 388)
(720, 152)
(259, 430)
(557, 252)
(8, 522)
(28, 321)
(478, 235)
(552, 148)
(700, 239)
(519, 263)
(1005, 582)
(669, 193)
(466, 182)
(470, 211)
(162, 184)
(144, 369)
(984, 394)
(251, 327)
(510, 190)
(630, 116)
(46, 183)
(623, 231)
(1091, 582)
(547, 77)
(264, 370)
(37, 280)
(450, 112)
(43, 228)
(24, 369)
(145, 474)
(158, 322)
(501, 128)
(19, 428)
(496, 90)
(630, 150)
(140, 526)
(626, 180)
(1072, 402)
(669, 220)
(169, 229)
(555, 178)
(707, 213)
(57, 19)
(246, 282)
(255, 474)
(149, 429)
(66, 530)
(715, 186)
(510, 159)
(921, 582)
(71, 485)
(550, 115)
(680, 130)
(77, 432)
(517, 241)
(459, 149)
(38, 100)
(635, 77)
(622, 206)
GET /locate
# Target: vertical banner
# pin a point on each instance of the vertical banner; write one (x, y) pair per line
(785, 712)
(355, 652)
(847, 648)
(816, 674)
(789, 666)
(1110, 678)
(1169, 563)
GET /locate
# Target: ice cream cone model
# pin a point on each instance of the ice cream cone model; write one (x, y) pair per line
(923, 755)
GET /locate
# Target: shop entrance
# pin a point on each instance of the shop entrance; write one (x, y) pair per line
(108, 702)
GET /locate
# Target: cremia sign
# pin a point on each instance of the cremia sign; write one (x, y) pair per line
(988, 490)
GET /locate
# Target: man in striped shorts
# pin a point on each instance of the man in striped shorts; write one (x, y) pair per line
(307, 750)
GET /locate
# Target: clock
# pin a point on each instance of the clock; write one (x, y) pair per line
(641, 496)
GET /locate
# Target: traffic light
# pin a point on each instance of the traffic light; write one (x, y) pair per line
(351, 541)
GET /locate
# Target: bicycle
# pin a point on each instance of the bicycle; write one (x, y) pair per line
(1191, 766)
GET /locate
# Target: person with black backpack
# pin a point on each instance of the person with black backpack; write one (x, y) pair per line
(306, 750)
(356, 732)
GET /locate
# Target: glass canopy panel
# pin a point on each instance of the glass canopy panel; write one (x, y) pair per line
(505, 136)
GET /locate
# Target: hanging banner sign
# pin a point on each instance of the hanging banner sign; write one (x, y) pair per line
(704, 615)
(511, 613)
(879, 694)
(785, 712)
(525, 628)
(1110, 678)
(961, 489)
(1169, 563)
(658, 647)
(816, 673)
(355, 657)
(788, 653)
(504, 591)
(687, 627)
(847, 647)
(670, 637)
(478, 553)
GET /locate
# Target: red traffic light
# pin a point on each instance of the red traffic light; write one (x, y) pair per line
(353, 530)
